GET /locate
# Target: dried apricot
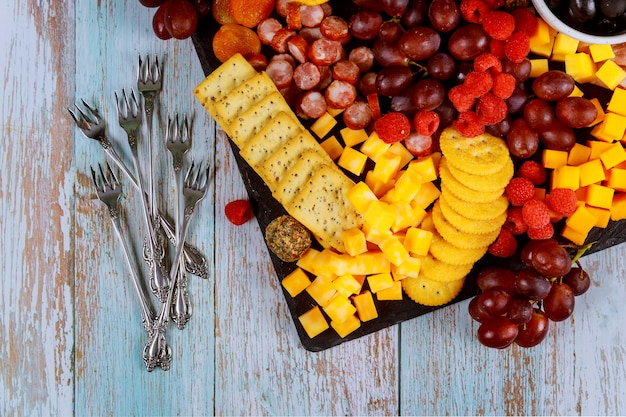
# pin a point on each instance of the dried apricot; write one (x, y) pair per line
(221, 12)
(250, 13)
(233, 38)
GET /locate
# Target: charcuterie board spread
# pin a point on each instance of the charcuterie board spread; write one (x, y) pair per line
(401, 156)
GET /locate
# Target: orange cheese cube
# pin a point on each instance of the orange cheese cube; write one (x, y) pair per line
(365, 307)
(603, 216)
(308, 260)
(353, 137)
(582, 220)
(361, 196)
(347, 285)
(387, 166)
(542, 41)
(601, 52)
(540, 194)
(340, 263)
(380, 215)
(578, 154)
(399, 149)
(407, 215)
(616, 179)
(334, 112)
(374, 235)
(581, 67)
(378, 282)
(576, 92)
(352, 160)
(340, 309)
(600, 114)
(322, 290)
(553, 159)
(599, 196)
(538, 66)
(591, 172)
(426, 167)
(611, 74)
(618, 209)
(613, 156)
(346, 327)
(597, 148)
(394, 250)
(564, 44)
(408, 185)
(409, 268)
(614, 125)
(427, 194)
(392, 293)
(322, 126)
(313, 322)
(322, 266)
(617, 103)
(354, 241)
(574, 236)
(417, 241)
(378, 187)
(566, 177)
(332, 147)
(372, 262)
(374, 146)
(296, 282)
(600, 133)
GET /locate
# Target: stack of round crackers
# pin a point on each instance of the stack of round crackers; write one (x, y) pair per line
(466, 218)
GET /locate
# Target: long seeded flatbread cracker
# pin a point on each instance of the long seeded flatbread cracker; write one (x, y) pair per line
(323, 207)
(244, 96)
(270, 138)
(222, 81)
(293, 181)
(281, 161)
(249, 123)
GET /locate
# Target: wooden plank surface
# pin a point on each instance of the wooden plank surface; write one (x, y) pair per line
(69, 318)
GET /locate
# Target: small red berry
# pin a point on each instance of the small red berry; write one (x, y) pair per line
(498, 24)
(535, 214)
(532, 171)
(504, 246)
(392, 127)
(503, 85)
(426, 122)
(478, 83)
(472, 10)
(525, 21)
(514, 221)
(487, 61)
(519, 191)
(491, 109)
(541, 233)
(562, 201)
(517, 47)
(461, 97)
(468, 124)
(238, 212)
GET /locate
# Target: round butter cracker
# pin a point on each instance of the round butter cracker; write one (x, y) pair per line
(446, 252)
(440, 271)
(431, 293)
(461, 191)
(476, 211)
(458, 238)
(480, 155)
(486, 183)
(467, 225)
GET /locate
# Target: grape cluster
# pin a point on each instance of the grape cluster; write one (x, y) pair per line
(547, 115)
(517, 306)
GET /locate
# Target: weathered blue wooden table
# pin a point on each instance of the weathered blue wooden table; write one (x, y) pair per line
(69, 323)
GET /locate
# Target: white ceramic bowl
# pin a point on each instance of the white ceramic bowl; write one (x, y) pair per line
(549, 17)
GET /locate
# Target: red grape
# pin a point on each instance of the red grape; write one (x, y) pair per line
(576, 112)
(520, 310)
(444, 15)
(578, 279)
(428, 94)
(180, 19)
(532, 333)
(496, 277)
(550, 259)
(419, 43)
(494, 301)
(531, 284)
(559, 304)
(553, 85)
(538, 114)
(498, 332)
(468, 41)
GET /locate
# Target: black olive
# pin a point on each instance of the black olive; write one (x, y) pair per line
(612, 8)
(581, 11)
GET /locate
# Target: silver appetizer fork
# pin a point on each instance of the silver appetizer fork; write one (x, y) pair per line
(149, 84)
(178, 142)
(129, 115)
(92, 126)
(108, 190)
(194, 189)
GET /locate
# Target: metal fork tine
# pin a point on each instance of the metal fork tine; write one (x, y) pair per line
(95, 180)
(105, 181)
(185, 137)
(114, 179)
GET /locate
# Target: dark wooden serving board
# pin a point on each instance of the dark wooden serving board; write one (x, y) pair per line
(267, 208)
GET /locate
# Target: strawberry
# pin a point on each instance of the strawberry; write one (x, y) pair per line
(238, 212)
